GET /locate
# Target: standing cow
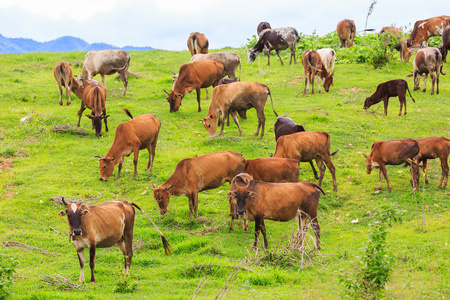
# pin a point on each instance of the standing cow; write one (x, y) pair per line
(427, 61)
(312, 67)
(445, 43)
(346, 30)
(275, 39)
(197, 43)
(424, 29)
(194, 76)
(131, 137)
(106, 62)
(399, 39)
(385, 90)
(64, 77)
(431, 148)
(196, 174)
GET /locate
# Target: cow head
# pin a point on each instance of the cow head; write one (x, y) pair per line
(210, 124)
(328, 82)
(174, 100)
(369, 163)
(240, 192)
(106, 167)
(367, 103)
(97, 123)
(251, 55)
(162, 197)
(406, 54)
(75, 213)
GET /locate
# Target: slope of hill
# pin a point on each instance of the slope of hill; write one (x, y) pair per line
(62, 44)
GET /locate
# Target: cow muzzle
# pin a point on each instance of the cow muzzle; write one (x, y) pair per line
(241, 212)
(76, 232)
(103, 179)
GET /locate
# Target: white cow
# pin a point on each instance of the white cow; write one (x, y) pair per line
(328, 56)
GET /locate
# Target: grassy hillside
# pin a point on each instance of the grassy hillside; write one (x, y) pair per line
(37, 164)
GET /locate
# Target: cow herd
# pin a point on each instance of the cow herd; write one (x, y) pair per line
(264, 188)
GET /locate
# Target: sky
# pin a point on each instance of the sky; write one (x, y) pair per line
(166, 24)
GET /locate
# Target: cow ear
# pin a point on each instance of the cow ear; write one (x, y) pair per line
(104, 117)
(153, 185)
(179, 95)
(111, 159)
(85, 212)
(62, 213)
(211, 117)
(365, 155)
(251, 194)
(231, 194)
(89, 116)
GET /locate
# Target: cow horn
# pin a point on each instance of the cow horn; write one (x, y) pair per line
(64, 201)
(166, 92)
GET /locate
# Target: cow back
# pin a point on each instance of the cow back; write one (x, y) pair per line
(303, 146)
(285, 125)
(273, 169)
(202, 73)
(105, 62)
(394, 152)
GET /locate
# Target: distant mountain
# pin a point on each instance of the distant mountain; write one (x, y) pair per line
(62, 44)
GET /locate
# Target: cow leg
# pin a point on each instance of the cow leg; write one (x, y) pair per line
(245, 224)
(135, 161)
(233, 214)
(151, 153)
(235, 119)
(103, 80)
(316, 227)
(437, 82)
(433, 81)
(263, 230)
(261, 122)
(105, 120)
(206, 94)
(60, 93)
(124, 76)
(314, 170)
(68, 91)
(444, 167)
(383, 172)
(118, 172)
(425, 82)
(425, 172)
(332, 169)
(127, 250)
(92, 262)
(306, 85)
(322, 169)
(279, 56)
(312, 74)
(80, 112)
(198, 99)
(81, 260)
(292, 48)
(302, 226)
(257, 229)
(386, 102)
(318, 83)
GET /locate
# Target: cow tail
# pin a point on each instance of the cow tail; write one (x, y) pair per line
(127, 112)
(407, 88)
(239, 71)
(268, 92)
(165, 242)
(335, 152)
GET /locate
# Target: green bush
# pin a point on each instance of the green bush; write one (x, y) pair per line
(7, 269)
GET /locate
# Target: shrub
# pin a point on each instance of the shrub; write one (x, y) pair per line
(7, 269)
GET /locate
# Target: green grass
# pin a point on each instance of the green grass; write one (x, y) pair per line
(37, 164)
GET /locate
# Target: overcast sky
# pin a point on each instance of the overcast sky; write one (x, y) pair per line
(166, 24)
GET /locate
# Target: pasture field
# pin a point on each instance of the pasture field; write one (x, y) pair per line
(37, 164)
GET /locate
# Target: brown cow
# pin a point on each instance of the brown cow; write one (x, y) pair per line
(312, 67)
(229, 98)
(275, 39)
(284, 126)
(431, 148)
(399, 39)
(196, 174)
(262, 26)
(244, 178)
(394, 152)
(346, 30)
(64, 77)
(267, 169)
(385, 90)
(106, 62)
(427, 61)
(197, 43)
(445, 43)
(195, 76)
(424, 29)
(279, 202)
(306, 146)
(132, 136)
(94, 97)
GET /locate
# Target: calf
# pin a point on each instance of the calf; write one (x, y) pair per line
(64, 77)
(312, 67)
(284, 126)
(431, 148)
(275, 39)
(385, 90)
(399, 39)
(238, 96)
(427, 61)
(106, 62)
(196, 174)
(94, 97)
(242, 220)
(197, 43)
(279, 202)
(393, 152)
(132, 136)
(346, 31)
(306, 146)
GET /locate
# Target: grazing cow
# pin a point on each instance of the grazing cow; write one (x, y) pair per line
(427, 61)
(106, 62)
(393, 152)
(64, 77)
(197, 43)
(94, 97)
(306, 146)
(312, 67)
(399, 39)
(231, 62)
(445, 43)
(279, 202)
(132, 136)
(262, 26)
(229, 98)
(275, 39)
(346, 30)
(194, 76)
(424, 29)
(385, 90)
(284, 126)
(196, 174)
(328, 57)
(431, 148)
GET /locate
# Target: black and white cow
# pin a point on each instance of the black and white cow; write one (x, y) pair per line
(275, 39)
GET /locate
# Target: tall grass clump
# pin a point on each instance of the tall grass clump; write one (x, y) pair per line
(7, 269)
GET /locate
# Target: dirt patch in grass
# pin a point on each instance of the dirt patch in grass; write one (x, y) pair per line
(6, 164)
